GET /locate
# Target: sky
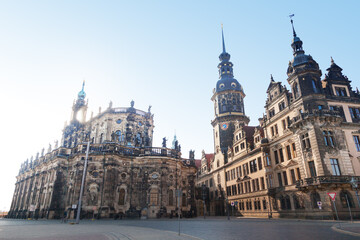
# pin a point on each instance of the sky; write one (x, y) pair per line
(158, 53)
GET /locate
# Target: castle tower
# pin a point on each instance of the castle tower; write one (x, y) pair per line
(228, 101)
(304, 77)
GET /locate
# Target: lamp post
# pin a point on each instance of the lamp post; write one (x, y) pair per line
(204, 196)
(82, 184)
(227, 208)
(355, 186)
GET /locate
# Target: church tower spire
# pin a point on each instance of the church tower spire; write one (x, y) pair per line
(80, 107)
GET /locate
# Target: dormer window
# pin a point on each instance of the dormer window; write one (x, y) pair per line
(340, 91)
(272, 112)
(281, 106)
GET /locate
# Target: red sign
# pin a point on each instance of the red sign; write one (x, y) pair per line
(332, 195)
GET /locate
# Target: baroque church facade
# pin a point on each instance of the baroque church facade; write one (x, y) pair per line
(306, 146)
(125, 175)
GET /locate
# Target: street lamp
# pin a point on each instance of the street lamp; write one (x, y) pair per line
(82, 184)
(227, 208)
(204, 196)
(355, 187)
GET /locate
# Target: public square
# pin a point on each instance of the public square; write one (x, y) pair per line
(197, 228)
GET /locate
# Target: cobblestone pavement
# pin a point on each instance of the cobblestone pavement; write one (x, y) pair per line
(209, 229)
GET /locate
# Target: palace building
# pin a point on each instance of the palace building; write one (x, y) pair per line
(306, 146)
(125, 174)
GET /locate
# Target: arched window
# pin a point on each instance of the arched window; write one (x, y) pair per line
(118, 136)
(315, 197)
(154, 197)
(138, 139)
(316, 90)
(296, 90)
(345, 198)
(171, 197)
(122, 197)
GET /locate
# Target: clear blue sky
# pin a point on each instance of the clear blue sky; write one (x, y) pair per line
(159, 53)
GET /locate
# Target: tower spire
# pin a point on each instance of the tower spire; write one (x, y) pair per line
(296, 43)
(292, 24)
(82, 94)
(223, 41)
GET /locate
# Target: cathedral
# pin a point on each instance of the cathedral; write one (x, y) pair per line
(302, 160)
(125, 176)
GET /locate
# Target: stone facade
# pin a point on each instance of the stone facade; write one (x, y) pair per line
(125, 175)
(305, 146)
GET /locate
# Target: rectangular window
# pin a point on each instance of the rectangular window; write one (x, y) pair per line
(312, 169)
(264, 204)
(335, 167)
(298, 173)
(253, 167)
(276, 129)
(283, 124)
(268, 161)
(259, 163)
(276, 157)
(305, 141)
(281, 155)
(240, 171)
(272, 112)
(329, 138)
(242, 145)
(272, 131)
(281, 106)
(237, 172)
(285, 178)
(262, 183)
(269, 181)
(357, 142)
(293, 179)
(236, 149)
(288, 152)
(355, 113)
(280, 179)
(293, 150)
(340, 91)
(257, 184)
(253, 185)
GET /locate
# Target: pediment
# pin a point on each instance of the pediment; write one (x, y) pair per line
(279, 167)
(291, 163)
